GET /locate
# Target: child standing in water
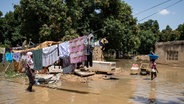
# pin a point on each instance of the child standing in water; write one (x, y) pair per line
(154, 70)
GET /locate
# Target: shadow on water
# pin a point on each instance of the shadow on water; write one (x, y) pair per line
(68, 90)
(58, 88)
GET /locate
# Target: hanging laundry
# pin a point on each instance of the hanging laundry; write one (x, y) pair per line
(89, 40)
(16, 56)
(49, 55)
(64, 49)
(9, 57)
(77, 50)
(37, 59)
(23, 60)
(2, 50)
(89, 43)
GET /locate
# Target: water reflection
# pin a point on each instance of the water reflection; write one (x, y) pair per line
(167, 88)
(152, 97)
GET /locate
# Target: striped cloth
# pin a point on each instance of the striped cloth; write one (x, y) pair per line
(64, 49)
(50, 55)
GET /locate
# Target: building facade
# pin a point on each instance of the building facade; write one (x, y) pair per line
(171, 53)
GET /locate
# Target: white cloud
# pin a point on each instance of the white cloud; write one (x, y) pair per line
(164, 12)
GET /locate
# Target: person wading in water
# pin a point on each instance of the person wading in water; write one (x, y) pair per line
(154, 70)
(30, 71)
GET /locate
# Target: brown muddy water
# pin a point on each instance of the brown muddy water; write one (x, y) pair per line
(167, 88)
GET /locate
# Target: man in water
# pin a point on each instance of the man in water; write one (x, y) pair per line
(30, 71)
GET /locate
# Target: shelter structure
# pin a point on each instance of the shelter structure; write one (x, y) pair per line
(170, 53)
(41, 45)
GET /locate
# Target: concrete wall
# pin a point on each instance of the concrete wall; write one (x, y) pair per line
(163, 49)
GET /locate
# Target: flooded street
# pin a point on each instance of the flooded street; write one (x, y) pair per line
(167, 88)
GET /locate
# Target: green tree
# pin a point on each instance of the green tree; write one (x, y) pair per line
(147, 41)
(165, 34)
(56, 20)
(148, 35)
(10, 29)
(78, 14)
(180, 29)
(1, 14)
(105, 18)
(168, 34)
(151, 25)
(119, 26)
(1, 29)
(43, 19)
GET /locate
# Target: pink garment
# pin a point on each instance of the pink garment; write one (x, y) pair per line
(80, 47)
(77, 50)
(153, 65)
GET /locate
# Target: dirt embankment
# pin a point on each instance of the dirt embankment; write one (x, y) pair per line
(98, 76)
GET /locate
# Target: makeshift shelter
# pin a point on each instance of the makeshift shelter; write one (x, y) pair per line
(18, 65)
(41, 45)
(51, 53)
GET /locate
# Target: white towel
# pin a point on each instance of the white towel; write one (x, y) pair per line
(64, 49)
(50, 55)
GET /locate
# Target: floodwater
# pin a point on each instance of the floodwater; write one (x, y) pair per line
(167, 88)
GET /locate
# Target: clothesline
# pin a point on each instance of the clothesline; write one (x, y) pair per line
(75, 49)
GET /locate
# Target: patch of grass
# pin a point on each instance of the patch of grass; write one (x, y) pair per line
(12, 74)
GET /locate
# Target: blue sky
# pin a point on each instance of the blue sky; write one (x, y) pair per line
(172, 16)
(7, 5)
